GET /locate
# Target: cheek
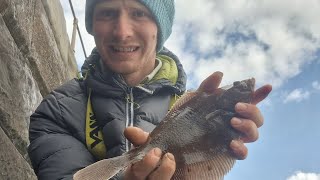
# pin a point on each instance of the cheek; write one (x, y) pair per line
(153, 32)
(154, 36)
(99, 29)
(99, 35)
(96, 32)
(98, 40)
(155, 40)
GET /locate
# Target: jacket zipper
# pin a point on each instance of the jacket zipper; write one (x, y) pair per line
(129, 115)
(130, 106)
(129, 109)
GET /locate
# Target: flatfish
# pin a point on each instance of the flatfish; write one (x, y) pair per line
(196, 131)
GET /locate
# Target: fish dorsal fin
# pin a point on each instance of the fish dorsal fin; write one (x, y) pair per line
(213, 169)
(182, 100)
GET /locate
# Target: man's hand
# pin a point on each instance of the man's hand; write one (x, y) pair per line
(248, 122)
(153, 166)
(249, 116)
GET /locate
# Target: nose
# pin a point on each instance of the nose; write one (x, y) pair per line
(123, 28)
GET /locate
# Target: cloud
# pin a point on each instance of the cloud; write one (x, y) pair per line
(269, 40)
(304, 176)
(296, 95)
(316, 85)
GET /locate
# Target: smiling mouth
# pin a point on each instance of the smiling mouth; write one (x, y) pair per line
(124, 49)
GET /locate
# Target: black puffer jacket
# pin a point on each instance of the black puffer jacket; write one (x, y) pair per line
(57, 128)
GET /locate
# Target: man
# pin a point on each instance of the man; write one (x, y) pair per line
(129, 81)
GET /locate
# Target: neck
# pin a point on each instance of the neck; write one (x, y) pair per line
(135, 78)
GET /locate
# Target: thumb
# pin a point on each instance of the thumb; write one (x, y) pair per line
(136, 135)
(211, 83)
(261, 93)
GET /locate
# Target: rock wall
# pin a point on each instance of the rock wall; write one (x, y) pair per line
(35, 57)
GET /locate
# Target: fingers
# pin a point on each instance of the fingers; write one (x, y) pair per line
(143, 168)
(136, 135)
(211, 83)
(152, 167)
(165, 170)
(261, 93)
(247, 123)
(250, 111)
(239, 150)
(247, 127)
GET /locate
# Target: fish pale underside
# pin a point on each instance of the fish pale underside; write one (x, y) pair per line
(196, 131)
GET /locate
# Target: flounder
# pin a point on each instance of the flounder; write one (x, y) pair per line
(196, 131)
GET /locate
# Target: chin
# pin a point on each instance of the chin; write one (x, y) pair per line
(122, 70)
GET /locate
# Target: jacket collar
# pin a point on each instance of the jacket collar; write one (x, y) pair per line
(171, 76)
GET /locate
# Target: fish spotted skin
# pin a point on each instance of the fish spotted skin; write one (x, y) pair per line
(196, 131)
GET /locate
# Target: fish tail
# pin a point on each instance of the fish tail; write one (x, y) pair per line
(104, 169)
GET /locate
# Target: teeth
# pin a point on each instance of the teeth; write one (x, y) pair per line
(124, 49)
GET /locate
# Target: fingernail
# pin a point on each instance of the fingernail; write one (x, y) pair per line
(241, 107)
(157, 152)
(235, 121)
(235, 144)
(220, 74)
(170, 156)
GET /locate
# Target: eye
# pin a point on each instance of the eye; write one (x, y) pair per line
(107, 13)
(139, 13)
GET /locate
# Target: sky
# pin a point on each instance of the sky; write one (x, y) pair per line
(277, 43)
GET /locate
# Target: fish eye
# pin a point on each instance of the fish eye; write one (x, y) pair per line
(236, 83)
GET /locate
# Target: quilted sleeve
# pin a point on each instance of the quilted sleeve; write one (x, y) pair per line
(54, 152)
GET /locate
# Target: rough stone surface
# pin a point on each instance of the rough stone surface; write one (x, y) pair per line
(19, 95)
(35, 58)
(19, 92)
(13, 166)
(31, 29)
(58, 24)
(10, 159)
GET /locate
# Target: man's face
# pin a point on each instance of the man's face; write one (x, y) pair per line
(125, 35)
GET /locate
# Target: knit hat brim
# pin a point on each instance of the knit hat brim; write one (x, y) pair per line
(162, 10)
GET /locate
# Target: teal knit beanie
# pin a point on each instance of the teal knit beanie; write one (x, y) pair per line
(162, 10)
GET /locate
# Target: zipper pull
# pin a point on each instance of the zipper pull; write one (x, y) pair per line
(145, 89)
